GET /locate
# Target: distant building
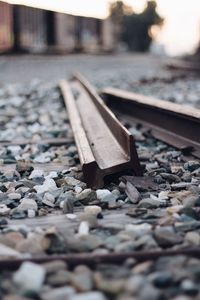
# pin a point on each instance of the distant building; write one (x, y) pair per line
(28, 29)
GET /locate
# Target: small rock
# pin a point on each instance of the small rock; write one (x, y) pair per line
(132, 193)
(134, 284)
(36, 174)
(31, 213)
(71, 216)
(29, 277)
(86, 196)
(48, 199)
(48, 186)
(83, 228)
(82, 279)
(170, 177)
(105, 196)
(139, 230)
(166, 237)
(26, 204)
(8, 252)
(68, 205)
(58, 294)
(192, 165)
(189, 287)
(149, 292)
(149, 203)
(78, 189)
(14, 196)
(59, 278)
(88, 296)
(54, 266)
(193, 238)
(174, 209)
(93, 210)
(4, 210)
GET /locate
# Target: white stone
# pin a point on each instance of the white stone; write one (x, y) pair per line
(163, 195)
(88, 296)
(52, 174)
(15, 150)
(116, 192)
(6, 251)
(83, 228)
(140, 229)
(43, 158)
(174, 209)
(93, 209)
(36, 174)
(105, 195)
(48, 185)
(78, 189)
(48, 199)
(4, 210)
(61, 293)
(84, 194)
(30, 277)
(26, 204)
(14, 196)
(31, 213)
(72, 181)
(71, 216)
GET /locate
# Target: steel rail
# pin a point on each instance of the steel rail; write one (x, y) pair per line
(105, 147)
(184, 66)
(92, 260)
(174, 124)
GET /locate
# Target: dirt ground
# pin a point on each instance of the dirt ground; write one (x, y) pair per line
(15, 69)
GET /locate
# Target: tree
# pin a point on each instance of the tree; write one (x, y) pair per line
(135, 29)
(117, 12)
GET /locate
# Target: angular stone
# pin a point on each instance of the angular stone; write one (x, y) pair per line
(93, 210)
(81, 279)
(54, 266)
(36, 174)
(105, 195)
(27, 203)
(48, 186)
(14, 196)
(166, 237)
(29, 277)
(86, 196)
(48, 199)
(68, 205)
(192, 165)
(83, 228)
(132, 193)
(58, 293)
(88, 296)
(59, 278)
(8, 252)
(149, 203)
(193, 238)
(4, 210)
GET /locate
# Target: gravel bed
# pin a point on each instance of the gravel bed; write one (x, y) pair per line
(162, 211)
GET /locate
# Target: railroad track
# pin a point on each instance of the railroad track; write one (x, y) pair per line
(106, 151)
(172, 123)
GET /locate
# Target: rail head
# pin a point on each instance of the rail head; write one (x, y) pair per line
(172, 123)
(174, 108)
(105, 147)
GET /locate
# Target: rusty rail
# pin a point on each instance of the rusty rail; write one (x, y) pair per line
(172, 123)
(184, 66)
(105, 147)
(92, 260)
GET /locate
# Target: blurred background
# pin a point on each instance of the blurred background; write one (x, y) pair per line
(162, 27)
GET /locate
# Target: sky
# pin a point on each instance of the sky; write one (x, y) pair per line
(179, 35)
